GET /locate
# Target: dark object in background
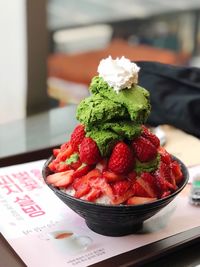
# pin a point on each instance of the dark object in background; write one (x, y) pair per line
(174, 94)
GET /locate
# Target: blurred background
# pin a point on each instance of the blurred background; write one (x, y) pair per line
(50, 49)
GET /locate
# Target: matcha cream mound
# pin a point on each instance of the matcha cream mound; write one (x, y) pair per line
(96, 109)
(147, 166)
(105, 104)
(109, 116)
(135, 99)
(105, 140)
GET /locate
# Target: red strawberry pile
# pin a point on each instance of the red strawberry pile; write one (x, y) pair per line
(79, 169)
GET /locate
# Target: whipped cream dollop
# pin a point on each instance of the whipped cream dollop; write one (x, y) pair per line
(119, 73)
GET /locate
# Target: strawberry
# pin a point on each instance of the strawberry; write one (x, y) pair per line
(123, 198)
(82, 185)
(150, 136)
(132, 176)
(165, 194)
(164, 155)
(93, 194)
(73, 161)
(165, 171)
(148, 183)
(160, 182)
(81, 190)
(176, 172)
(102, 165)
(77, 137)
(89, 151)
(62, 166)
(106, 189)
(65, 152)
(144, 149)
(121, 160)
(121, 187)
(85, 179)
(76, 165)
(58, 166)
(64, 146)
(56, 151)
(112, 177)
(53, 165)
(139, 190)
(164, 179)
(60, 178)
(82, 170)
(140, 200)
(100, 183)
(93, 174)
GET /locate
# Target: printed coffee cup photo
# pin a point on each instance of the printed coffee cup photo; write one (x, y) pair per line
(67, 242)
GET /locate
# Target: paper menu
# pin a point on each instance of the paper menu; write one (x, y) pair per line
(33, 217)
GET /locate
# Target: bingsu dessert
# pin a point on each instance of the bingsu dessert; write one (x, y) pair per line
(112, 157)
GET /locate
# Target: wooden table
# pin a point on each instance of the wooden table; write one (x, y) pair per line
(32, 139)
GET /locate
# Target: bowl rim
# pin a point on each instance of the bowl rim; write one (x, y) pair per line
(149, 204)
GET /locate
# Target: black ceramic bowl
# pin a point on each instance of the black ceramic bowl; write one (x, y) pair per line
(113, 220)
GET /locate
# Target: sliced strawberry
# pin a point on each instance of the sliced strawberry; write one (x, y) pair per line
(106, 189)
(171, 186)
(82, 185)
(93, 174)
(165, 171)
(139, 190)
(144, 150)
(165, 156)
(77, 137)
(102, 165)
(176, 172)
(82, 170)
(112, 177)
(84, 180)
(123, 198)
(148, 183)
(160, 182)
(82, 190)
(121, 187)
(93, 194)
(53, 165)
(150, 136)
(132, 176)
(74, 161)
(56, 151)
(121, 160)
(64, 146)
(65, 182)
(164, 180)
(76, 165)
(101, 183)
(62, 166)
(166, 194)
(60, 178)
(65, 153)
(140, 200)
